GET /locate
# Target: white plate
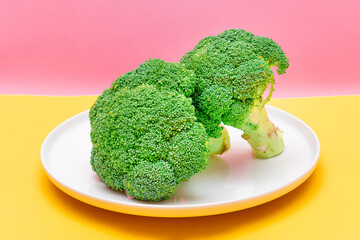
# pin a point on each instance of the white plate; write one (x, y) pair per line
(233, 181)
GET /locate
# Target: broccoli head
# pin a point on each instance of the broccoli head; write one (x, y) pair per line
(171, 76)
(146, 140)
(160, 74)
(234, 70)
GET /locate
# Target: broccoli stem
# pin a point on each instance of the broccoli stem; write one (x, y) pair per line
(220, 145)
(266, 140)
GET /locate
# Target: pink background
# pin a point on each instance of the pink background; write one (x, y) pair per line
(79, 47)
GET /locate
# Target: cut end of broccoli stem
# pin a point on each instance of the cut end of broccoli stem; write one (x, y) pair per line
(266, 141)
(220, 145)
(274, 147)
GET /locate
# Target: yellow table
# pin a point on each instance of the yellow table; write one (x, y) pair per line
(326, 206)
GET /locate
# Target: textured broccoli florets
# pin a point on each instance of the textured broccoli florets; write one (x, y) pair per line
(161, 74)
(151, 181)
(234, 70)
(146, 140)
(173, 76)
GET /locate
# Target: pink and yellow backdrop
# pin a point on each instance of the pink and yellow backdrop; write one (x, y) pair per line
(79, 47)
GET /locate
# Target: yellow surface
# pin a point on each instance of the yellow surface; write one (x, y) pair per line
(326, 206)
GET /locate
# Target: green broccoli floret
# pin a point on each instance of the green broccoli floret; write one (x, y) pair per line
(160, 74)
(234, 70)
(172, 76)
(146, 140)
(151, 181)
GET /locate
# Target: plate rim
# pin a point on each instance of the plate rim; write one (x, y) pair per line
(205, 209)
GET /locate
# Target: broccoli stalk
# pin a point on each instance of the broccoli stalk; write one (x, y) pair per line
(220, 145)
(266, 140)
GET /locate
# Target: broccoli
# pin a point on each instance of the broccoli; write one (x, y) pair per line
(234, 70)
(146, 140)
(220, 145)
(172, 76)
(163, 75)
